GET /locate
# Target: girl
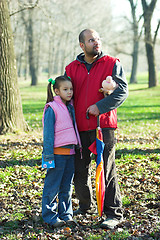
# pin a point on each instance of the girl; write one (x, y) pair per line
(60, 136)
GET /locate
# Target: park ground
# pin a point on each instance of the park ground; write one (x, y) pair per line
(137, 160)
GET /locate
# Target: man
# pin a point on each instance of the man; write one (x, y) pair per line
(87, 73)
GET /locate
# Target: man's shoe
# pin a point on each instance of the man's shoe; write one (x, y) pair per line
(78, 212)
(110, 223)
(57, 224)
(83, 212)
(92, 211)
(71, 222)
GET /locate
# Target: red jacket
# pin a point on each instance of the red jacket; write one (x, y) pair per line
(86, 86)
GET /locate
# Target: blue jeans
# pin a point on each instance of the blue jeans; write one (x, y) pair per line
(58, 183)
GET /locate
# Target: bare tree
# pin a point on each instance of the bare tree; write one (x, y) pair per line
(57, 34)
(24, 17)
(28, 23)
(11, 115)
(136, 37)
(148, 10)
(32, 57)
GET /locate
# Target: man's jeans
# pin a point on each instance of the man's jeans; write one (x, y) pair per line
(82, 179)
(58, 183)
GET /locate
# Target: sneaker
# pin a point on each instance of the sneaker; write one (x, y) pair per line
(110, 223)
(57, 224)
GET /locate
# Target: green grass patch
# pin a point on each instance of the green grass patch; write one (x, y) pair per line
(139, 114)
(113, 236)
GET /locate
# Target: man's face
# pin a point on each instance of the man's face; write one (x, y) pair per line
(92, 44)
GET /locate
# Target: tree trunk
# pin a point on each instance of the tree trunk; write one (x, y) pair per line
(11, 115)
(64, 54)
(31, 53)
(32, 64)
(57, 57)
(50, 58)
(19, 58)
(133, 77)
(38, 43)
(151, 65)
(149, 43)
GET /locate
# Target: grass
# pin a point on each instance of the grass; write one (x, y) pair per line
(140, 112)
(137, 160)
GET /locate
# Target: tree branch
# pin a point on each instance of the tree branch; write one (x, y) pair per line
(119, 50)
(25, 8)
(152, 5)
(156, 32)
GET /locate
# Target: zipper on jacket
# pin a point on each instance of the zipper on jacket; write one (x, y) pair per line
(86, 98)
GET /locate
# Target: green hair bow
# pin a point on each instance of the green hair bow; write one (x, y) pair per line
(51, 81)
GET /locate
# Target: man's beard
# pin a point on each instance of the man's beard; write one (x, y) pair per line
(93, 53)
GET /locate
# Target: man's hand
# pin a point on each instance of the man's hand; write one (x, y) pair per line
(93, 110)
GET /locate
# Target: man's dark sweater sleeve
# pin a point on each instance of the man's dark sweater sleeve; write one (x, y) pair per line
(115, 99)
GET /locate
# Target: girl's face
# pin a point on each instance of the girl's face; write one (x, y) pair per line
(65, 91)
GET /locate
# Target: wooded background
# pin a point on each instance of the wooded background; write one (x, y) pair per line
(46, 32)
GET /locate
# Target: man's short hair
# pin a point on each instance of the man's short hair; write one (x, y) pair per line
(81, 36)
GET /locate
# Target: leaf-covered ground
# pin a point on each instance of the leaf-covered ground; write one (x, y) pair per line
(22, 181)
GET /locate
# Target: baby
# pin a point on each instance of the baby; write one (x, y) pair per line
(108, 86)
